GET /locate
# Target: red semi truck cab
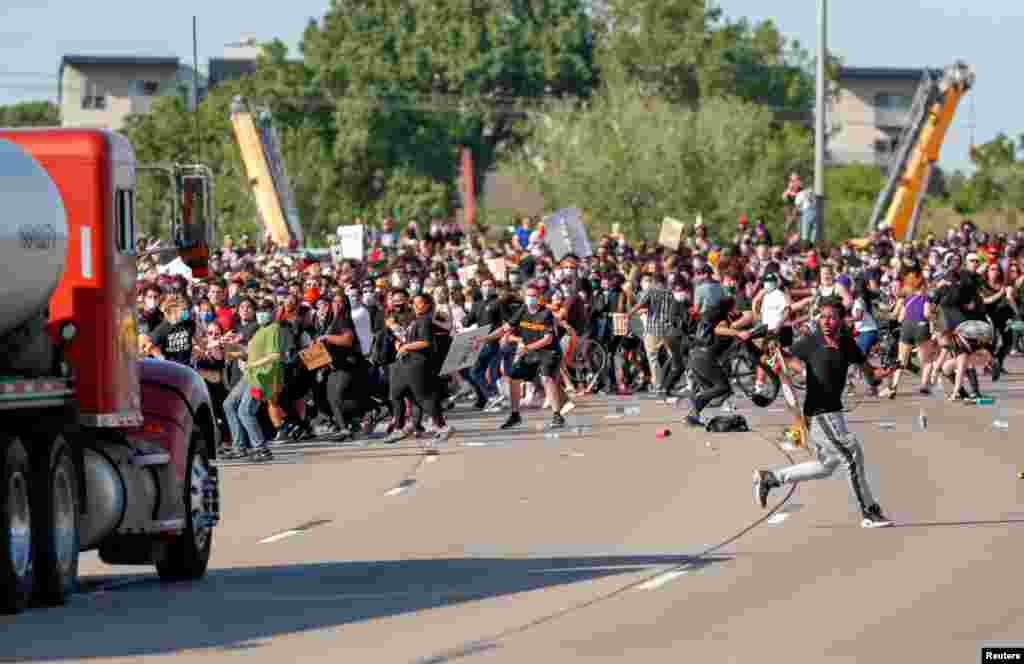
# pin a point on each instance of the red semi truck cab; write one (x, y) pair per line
(98, 449)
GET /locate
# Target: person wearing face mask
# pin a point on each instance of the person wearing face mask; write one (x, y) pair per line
(261, 385)
(173, 339)
(533, 331)
(151, 316)
(414, 374)
(486, 312)
(211, 365)
(679, 317)
(657, 301)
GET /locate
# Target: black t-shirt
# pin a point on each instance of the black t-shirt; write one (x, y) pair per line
(705, 336)
(421, 329)
(576, 313)
(826, 371)
(149, 320)
(247, 330)
(175, 341)
(342, 356)
(532, 327)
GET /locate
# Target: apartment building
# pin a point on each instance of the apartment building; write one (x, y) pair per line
(102, 90)
(870, 113)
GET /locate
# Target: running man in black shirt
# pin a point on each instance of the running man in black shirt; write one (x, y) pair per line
(828, 355)
(534, 329)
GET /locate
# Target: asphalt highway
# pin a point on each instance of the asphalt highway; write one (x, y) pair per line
(607, 544)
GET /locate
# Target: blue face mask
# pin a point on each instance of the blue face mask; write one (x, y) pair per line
(185, 315)
(208, 317)
(531, 301)
(263, 317)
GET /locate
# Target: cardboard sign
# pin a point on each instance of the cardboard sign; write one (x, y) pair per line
(350, 239)
(465, 349)
(564, 233)
(498, 268)
(671, 233)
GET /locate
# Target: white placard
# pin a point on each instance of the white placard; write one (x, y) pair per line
(351, 240)
(564, 233)
(465, 349)
(175, 268)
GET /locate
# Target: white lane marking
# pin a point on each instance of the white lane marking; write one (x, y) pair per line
(595, 568)
(662, 579)
(397, 490)
(776, 519)
(280, 536)
(432, 459)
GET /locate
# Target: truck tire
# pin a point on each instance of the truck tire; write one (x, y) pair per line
(16, 564)
(56, 514)
(187, 555)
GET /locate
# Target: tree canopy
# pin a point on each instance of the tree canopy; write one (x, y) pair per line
(30, 114)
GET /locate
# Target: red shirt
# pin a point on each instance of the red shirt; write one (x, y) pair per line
(225, 318)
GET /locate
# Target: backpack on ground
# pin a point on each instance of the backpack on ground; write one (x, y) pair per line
(727, 424)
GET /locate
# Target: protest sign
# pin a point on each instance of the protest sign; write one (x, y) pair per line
(671, 233)
(465, 350)
(350, 239)
(564, 233)
(498, 268)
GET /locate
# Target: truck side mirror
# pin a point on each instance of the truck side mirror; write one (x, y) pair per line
(193, 237)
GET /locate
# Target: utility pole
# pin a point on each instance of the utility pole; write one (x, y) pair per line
(819, 124)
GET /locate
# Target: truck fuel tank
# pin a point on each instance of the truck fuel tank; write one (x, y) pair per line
(33, 236)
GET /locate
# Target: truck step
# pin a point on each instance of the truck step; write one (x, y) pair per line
(151, 459)
(16, 391)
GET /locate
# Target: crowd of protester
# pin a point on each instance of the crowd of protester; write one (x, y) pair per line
(386, 322)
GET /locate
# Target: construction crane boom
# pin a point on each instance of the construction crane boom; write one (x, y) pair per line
(918, 151)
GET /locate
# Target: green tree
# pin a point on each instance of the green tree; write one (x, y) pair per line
(851, 193)
(30, 114)
(634, 159)
(415, 82)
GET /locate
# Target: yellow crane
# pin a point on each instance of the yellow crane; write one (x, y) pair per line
(932, 113)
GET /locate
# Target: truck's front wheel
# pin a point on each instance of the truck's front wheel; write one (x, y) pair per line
(16, 555)
(58, 519)
(187, 556)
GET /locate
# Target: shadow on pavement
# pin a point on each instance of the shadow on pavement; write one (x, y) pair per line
(230, 608)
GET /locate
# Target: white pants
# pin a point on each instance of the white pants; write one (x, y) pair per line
(834, 446)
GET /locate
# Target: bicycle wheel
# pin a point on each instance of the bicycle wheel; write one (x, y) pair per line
(744, 369)
(588, 364)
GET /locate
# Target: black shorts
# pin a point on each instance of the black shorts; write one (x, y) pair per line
(543, 363)
(914, 332)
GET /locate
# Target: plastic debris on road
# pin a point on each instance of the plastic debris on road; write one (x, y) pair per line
(630, 408)
(921, 424)
(887, 425)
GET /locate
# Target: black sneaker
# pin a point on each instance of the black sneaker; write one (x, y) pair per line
(233, 453)
(513, 420)
(261, 455)
(997, 370)
(479, 404)
(764, 482)
(557, 422)
(284, 435)
(873, 518)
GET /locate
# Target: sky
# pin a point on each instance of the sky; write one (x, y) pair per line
(34, 34)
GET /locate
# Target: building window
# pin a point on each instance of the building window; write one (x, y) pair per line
(125, 210)
(94, 102)
(145, 88)
(892, 102)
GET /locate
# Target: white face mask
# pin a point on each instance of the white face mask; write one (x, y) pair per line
(679, 296)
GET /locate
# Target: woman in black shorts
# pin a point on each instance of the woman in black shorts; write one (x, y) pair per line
(915, 332)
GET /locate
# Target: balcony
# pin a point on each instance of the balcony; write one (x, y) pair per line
(891, 118)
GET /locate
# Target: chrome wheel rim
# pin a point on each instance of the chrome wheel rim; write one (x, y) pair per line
(19, 534)
(64, 518)
(197, 502)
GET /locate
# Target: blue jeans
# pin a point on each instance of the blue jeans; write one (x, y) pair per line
(809, 224)
(486, 363)
(240, 409)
